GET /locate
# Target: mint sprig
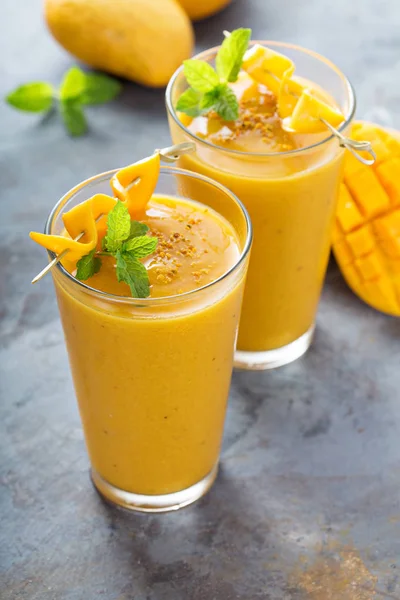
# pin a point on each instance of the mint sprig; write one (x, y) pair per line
(77, 90)
(127, 241)
(87, 266)
(208, 86)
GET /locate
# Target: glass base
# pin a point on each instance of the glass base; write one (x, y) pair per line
(153, 504)
(271, 359)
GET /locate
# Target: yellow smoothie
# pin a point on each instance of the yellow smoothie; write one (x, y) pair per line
(289, 184)
(152, 375)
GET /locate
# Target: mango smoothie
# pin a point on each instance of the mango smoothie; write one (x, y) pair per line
(152, 374)
(288, 181)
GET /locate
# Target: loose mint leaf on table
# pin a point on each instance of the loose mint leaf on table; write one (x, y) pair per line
(32, 97)
(230, 55)
(208, 88)
(73, 84)
(200, 75)
(77, 89)
(138, 229)
(118, 227)
(100, 89)
(88, 265)
(73, 117)
(131, 271)
(141, 246)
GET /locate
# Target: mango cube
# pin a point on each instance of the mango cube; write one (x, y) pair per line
(308, 112)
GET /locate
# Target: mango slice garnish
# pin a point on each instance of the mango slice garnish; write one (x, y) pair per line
(299, 107)
(101, 204)
(260, 61)
(290, 91)
(267, 66)
(136, 183)
(366, 236)
(308, 112)
(133, 184)
(79, 219)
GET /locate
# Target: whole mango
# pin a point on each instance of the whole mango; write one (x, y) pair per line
(141, 40)
(366, 239)
(200, 9)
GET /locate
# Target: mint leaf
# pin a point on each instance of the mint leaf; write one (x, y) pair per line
(132, 272)
(73, 84)
(141, 246)
(73, 117)
(200, 75)
(210, 98)
(99, 88)
(189, 103)
(88, 265)
(138, 229)
(230, 55)
(118, 227)
(32, 97)
(227, 105)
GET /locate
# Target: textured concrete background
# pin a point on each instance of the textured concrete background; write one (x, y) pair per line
(309, 484)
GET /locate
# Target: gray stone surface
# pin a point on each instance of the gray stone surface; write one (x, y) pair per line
(311, 460)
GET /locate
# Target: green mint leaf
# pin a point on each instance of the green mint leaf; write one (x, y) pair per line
(138, 229)
(32, 97)
(227, 105)
(73, 84)
(189, 103)
(141, 246)
(200, 75)
(99, 89)
(230, 55)
(210, 98)
(132, 272)
(73, 117)
(118, 227)
(88, 265)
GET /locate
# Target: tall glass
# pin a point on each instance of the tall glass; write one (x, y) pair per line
(291, 200)
(152, 375)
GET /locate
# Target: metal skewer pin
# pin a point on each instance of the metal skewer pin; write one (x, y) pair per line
(169, 155)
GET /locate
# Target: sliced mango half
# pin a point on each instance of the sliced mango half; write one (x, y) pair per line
(366, 236)
(136, 183)
(308, 112)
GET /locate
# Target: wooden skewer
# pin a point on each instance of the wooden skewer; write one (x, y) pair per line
(353, 146)
(169, 154)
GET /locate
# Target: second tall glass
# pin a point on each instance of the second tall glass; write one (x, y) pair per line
(291, 199)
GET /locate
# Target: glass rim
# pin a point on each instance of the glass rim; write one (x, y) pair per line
(316, 55)
(162, 299)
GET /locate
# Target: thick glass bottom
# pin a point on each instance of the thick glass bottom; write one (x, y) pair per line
(271, 359)
(153, 504)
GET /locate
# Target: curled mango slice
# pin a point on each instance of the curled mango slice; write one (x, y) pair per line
(101, 205)
(290, 91)
(266, 66)
(79, 219)
(366, 237)
(136, 183)
(308, 112)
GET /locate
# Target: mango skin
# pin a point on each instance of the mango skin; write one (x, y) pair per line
(200, 9)
(141, 40)
(366, 236)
